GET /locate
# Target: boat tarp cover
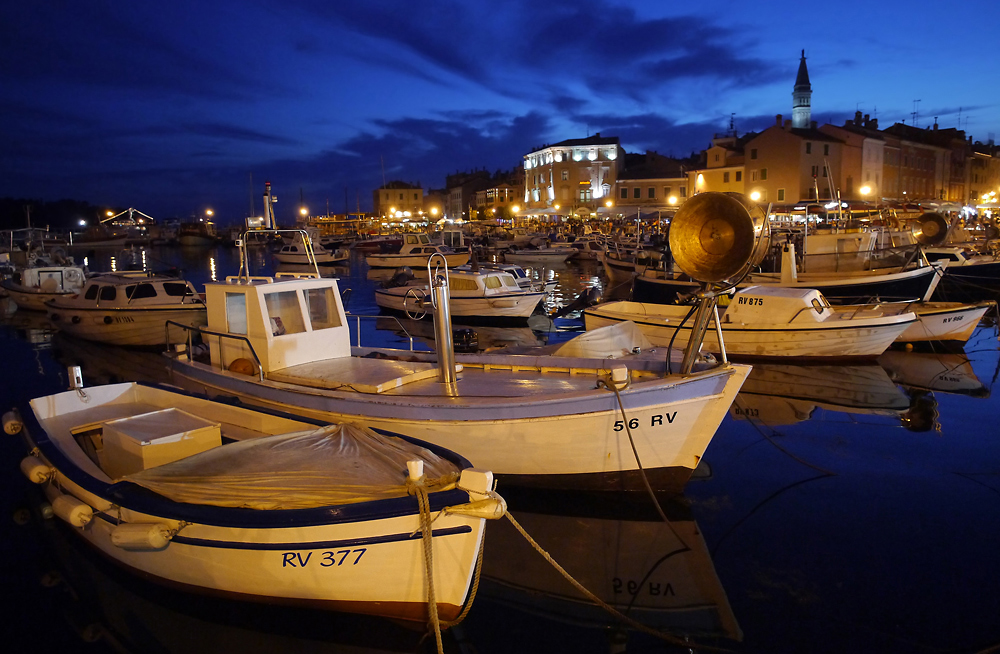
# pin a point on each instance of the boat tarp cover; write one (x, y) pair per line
(610, 341)
(336, 464)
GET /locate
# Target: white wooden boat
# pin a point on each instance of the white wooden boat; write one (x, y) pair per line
(415, 252)
(295, 253)
(518, 273)
(481, 294)
(548, 419)
(548, 256)
(129, 309)
(769, 323)
(38, 285)
(944, 322)
(233, 501)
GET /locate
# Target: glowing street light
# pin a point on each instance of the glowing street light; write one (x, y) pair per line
(755, 196)
(609, 204)
(865, 190)
(515, 208)
(303, 211)
(672, 199)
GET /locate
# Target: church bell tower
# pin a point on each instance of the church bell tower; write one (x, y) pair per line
(802, 97)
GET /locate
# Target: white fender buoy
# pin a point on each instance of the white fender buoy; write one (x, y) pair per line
(141, 536)
(36, 470)
(72, 510)
(12, 423)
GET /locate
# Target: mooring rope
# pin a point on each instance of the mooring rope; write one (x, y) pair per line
(419, 488)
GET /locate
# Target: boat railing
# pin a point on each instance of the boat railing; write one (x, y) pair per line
(359, 316)
(191, 329)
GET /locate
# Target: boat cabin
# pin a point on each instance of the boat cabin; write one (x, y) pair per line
(287, 320)
(758, 305)
(138, 288)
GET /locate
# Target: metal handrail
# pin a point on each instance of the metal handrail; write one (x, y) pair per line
(237, 337)
(359, 316)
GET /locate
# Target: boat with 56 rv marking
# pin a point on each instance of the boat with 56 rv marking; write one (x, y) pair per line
(595, 412)
(252, 505)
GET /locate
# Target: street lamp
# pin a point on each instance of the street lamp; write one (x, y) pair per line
(755, 196)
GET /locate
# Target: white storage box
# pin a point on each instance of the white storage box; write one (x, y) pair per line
(153, 439)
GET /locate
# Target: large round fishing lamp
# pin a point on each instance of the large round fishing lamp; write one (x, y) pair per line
(716, 238)
(929, 229)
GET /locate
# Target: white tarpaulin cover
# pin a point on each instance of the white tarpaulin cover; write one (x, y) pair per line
(611, 341)
(338, 464)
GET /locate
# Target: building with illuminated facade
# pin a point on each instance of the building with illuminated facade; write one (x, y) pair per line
(572, 177)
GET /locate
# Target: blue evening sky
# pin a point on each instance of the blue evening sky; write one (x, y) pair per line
(171, 107)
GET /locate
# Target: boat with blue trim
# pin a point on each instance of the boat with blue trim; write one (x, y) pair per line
(254, 505)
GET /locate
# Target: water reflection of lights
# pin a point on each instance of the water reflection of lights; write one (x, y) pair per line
(145, 264)
(114, 264)
(211, 266)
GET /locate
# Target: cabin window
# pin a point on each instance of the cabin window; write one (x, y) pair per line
(411, 239)
(509, 281)
(284, 313)
(322, 308)
(463, 284)
(236, 313)
(109, 293)
(91, 293)
(177, 289)
(493, 282)
(816, 305)
(137, 291)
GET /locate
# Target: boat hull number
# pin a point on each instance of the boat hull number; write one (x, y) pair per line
(655, 420)
(327, 559)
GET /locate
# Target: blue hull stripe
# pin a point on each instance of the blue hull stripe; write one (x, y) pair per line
(318, 545)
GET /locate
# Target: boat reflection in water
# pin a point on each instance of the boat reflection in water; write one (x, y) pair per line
(659, 574)
(784, 394)
(944, 372)
(110, 364)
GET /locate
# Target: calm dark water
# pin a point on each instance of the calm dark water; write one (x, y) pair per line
(841, 509)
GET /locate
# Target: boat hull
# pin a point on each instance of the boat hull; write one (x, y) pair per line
(554, 440)
(30, 299)
(135, 327)
(945, 322)
(918, 283)
(413, 261)
(662, 324)
(506, 306)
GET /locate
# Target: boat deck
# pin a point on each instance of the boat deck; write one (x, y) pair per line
(489, 376)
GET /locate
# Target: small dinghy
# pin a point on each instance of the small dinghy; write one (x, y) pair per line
(240, 502)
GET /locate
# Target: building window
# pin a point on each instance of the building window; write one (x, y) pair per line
(624, 193)
(815, 171)
(753, 153)
(586, 195)
(781, 195)
(636, 193)
(725, 178)
(809, 147)
(651, 193)
(716, 156)
(824, 171)
(739, 175)
(684, 192)
(763, 174)
(666, 191)
(565, 175)
(826, 148)
(753, 175)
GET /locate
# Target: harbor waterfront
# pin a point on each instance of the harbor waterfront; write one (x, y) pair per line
(838, 508)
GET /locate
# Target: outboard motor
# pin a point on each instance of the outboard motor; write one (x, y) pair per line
(466, 340)
(400, 277)
(587, 298)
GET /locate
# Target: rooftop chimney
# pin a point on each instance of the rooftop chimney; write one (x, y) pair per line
(777, 120)
(857, 118)
(813, 124)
